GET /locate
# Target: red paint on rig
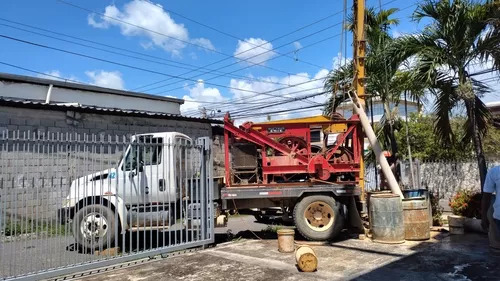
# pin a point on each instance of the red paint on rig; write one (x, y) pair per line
(316, 152)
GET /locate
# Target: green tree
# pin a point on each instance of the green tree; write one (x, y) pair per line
(492, 142)
(459, 36)
(385, 82)
(422, 140)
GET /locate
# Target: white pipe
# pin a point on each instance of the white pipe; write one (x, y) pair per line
(49, 93)
(379, 154)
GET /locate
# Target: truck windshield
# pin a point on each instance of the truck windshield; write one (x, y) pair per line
(145, 150)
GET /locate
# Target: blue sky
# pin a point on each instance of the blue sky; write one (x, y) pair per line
(257, 22)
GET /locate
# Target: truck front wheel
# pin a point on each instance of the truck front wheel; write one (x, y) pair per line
(318, 217)
(94, 227)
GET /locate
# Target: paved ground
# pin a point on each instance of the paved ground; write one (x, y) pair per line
(250, 258)
(29, 254)
(444, 257)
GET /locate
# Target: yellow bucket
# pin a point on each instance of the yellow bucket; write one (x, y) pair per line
(286, 240)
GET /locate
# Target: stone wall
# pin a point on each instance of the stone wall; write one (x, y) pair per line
(444, 179)
(447, 178)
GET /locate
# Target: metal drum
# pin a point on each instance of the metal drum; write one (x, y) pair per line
(420, 193)
(416, 218)
(386, 218)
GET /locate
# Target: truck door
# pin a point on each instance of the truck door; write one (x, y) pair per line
(140, 170)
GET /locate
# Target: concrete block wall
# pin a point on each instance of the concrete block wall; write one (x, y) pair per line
(47, 169)
(444, 179)
(447, 178)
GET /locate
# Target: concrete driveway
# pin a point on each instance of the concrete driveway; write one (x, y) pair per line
(444, 257)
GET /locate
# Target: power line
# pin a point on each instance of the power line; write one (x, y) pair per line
(45, 74)
(261, 45)
(310, 45)
(262, 105)
(277, 38)
(260, 113)
(319, 31)
(192, 67)
(312, 80)
(245, 99)
(79, 82)
(138, 68)
(400, 9)
(280, 111)
(116, 63)
(279, 89)
(165, 35)
(254, 56)
(224, 33)
(242, 111)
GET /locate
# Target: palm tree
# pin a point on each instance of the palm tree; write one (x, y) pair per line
(385, 80)
(459, 37)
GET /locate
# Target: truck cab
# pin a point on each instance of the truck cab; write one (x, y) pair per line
(144, 191)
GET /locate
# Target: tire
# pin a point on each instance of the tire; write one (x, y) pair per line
(94, 227)
(318, 217)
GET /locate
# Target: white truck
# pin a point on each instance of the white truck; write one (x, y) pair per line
(156, 186)
(143, 192)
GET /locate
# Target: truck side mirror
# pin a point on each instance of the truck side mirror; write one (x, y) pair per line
(140, 167)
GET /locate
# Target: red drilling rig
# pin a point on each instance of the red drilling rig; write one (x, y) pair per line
(313, 150)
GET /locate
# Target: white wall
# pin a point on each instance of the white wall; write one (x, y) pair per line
(63, 95)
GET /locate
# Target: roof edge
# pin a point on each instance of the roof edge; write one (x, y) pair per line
(97, 110)
(85, 87)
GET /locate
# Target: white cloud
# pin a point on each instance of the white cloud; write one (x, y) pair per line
(396, 34)
(340, 60)
(107, 79)
(314, 86)
(57, 75)
(155, 23)
(205, 43)
(198, 93)
(254, 50)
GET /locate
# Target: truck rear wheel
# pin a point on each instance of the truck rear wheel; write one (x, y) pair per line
(318, 217)
(94, 227)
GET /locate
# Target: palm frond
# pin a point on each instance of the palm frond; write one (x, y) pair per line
(482, 118)
(338, 82)
(446, 99)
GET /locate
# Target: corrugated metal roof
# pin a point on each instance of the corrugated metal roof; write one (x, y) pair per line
(84, 87)
(5, 101)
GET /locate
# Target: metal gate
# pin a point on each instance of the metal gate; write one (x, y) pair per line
(71, 202)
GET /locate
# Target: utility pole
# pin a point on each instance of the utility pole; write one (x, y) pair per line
(359, 45)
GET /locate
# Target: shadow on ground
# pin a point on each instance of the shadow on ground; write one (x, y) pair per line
(462, 257)
(145, 240)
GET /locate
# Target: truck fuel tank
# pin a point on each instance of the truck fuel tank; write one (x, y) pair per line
(148, 216)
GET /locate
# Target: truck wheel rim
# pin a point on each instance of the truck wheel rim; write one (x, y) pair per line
(94, 226)
(319, 216)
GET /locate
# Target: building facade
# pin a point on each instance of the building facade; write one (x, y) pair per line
(18, 87)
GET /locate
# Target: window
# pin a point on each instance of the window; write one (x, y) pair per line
(145, 150)
(315, 136)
